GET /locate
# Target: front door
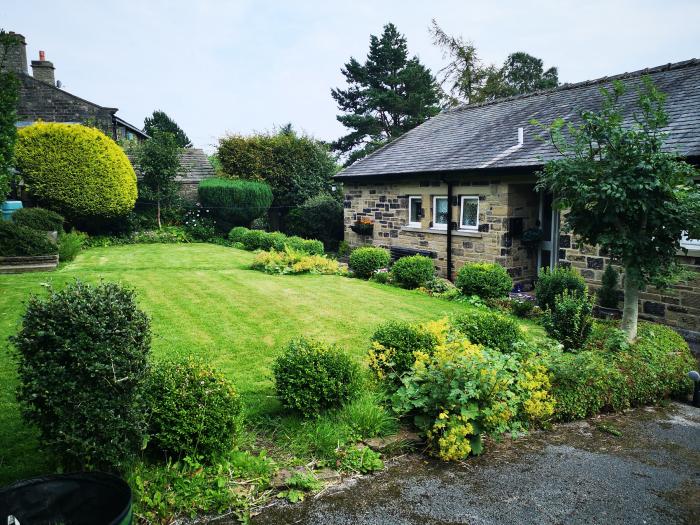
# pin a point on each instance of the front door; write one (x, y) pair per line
(548, 254)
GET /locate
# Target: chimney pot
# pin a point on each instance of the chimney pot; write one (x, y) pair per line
(42, 56)
(43, 69)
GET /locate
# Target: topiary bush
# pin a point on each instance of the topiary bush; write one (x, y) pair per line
(39, 219)
(320, 217)
(75, 170)
(552, 282)
(367, 260)
(234, 202)
(490, 329)
(20, 241)
(570, 321)
(394, 344)
(237, 234)
(82, 355)
(311, 376)
(486, 280)
(413, 272)
(193, 409)
(254, 239)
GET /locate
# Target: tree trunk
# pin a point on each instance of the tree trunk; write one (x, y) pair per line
(631, 305)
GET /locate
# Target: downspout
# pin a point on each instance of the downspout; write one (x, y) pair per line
(449, 230)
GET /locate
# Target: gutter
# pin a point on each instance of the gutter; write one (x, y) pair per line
(449, 229)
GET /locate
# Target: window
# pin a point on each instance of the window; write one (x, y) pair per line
(440, 207)
(691, 244)
(469, 213)
(415, 211)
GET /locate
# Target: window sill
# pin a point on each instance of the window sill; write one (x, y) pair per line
(457, 233)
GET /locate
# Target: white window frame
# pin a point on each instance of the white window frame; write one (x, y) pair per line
(437, 226)
(461, 212)
(690, 244)
(414, 224)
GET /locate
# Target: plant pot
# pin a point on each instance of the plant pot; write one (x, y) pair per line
(363, 229)
(603, 312)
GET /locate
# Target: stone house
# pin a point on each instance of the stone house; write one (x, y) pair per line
(461, 187)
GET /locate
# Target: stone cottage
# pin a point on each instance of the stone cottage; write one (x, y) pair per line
(461, 187)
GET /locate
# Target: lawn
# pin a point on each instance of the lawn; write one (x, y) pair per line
(204, 300)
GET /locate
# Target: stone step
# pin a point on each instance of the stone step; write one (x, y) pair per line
(25, 268)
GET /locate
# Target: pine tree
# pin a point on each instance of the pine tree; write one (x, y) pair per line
(162, 122)
(386, 96)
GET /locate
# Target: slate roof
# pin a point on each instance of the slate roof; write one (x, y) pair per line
(196, 165)
(480, 136)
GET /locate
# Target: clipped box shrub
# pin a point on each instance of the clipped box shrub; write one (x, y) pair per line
(75, 170)
(413, 272)
(310, 246)
(367, 260)
(39, 219)
(21, 241)
(193, 409)
(486, 280)
(254, 239)
(235, 202)
(491, 329)
(319, 217)
(553, 282)
(570, 321)
(80, 378)
(237, 234)
(393, 349)
(311, 376)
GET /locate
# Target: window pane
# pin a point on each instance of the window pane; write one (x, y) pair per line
(470, 212)
(441, 210)
(414, 214)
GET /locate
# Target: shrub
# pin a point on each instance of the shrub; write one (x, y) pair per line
(70, 244)
(320, 217)
(491, 329)
(274, 241)
(552, 283)
(16, 240)
(82, 360)
(235, 202)
(381, 277)
(310, 246)
(394, 345)
(462, 391)
(39, 219)
(522, 309)
(607, 293)
(413, 272)
(75, 170)
(290, 261)
(343, 249)
(199, 225)
(311, 376)
(193, 409)
(237, 234)
(486, 280)
(367, 260)
(254, 239)
(570, 321)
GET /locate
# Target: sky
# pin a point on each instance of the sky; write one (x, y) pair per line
(221, 67)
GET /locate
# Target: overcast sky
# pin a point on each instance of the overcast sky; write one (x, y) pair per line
(239, 66)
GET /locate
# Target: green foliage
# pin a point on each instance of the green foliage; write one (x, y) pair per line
(16, 240)
(367, 260)
(320, 217)
(193, 409)
(161, 122)
(235, 202)
(311, 376)
(413, 272)
(70, 244)
(75, 170)
(367, 417)
(291, 261)
(199, 225)
(237, 234)
(297, 486)
(381, 277)
(296, 167)
(570, 321)
(491, 329)
(255, 239)
(344, 249)
(487, 280)
(394, 344)
(523, 309)
(39, 219)
(310, 246)
(158, 161)
(278, 241)
(360, 460)
(553, 282)
(386, 96)
(9, 98)
(608, 293)
(81, 378)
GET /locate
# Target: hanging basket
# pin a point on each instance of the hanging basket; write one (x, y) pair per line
(363, 228)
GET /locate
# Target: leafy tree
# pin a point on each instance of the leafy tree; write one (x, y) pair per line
(158, 160)
(521, 73)
(162, 122)
(295, 166)
(624, 192)
(386, 96)
(9, 96)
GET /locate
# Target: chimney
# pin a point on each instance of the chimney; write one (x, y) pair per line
(13, 53)
(42, 69)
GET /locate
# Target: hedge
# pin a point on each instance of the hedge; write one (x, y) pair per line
(235, 202)
(20, 241)
(75, 170)
(39, 219)
(320, 217)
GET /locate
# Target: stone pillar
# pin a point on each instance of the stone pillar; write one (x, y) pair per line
(13, 56)
(43, 70)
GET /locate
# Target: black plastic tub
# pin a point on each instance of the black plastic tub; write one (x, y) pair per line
(84, 498)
